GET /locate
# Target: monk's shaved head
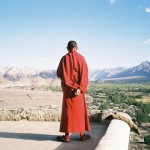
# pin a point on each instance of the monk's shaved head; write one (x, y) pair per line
(71, 45)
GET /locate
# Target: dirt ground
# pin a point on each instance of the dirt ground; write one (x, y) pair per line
(13, 98)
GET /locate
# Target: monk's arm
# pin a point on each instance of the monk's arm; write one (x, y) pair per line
(84, 76)
(63, 72)
(59, 70)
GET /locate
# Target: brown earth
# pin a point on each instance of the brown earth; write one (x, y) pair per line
(14, 98)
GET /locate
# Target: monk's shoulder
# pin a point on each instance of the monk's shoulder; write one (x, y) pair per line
(77, 55)
(80, 56)
(65, 57)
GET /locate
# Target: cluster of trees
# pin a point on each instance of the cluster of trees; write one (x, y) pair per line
(144, 116)
(141, 116)
(147, 139)
(124, 93)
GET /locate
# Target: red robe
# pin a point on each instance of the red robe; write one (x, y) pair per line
(73, 72)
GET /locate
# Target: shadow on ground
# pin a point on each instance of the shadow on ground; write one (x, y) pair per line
(28, 136)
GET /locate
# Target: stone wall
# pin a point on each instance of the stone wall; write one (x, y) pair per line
(47, 113)
(32, 114)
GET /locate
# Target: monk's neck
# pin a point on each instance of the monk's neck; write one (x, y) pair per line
(72, 51)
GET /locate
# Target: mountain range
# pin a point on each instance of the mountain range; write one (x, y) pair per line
(15, 73)
(137, 72)
(24, 75)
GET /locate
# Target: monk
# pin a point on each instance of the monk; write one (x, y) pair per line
(73, 72)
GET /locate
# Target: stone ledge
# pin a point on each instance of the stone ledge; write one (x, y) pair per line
(42, 113)
(31, 114)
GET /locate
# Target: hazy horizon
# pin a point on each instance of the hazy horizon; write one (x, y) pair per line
(109, 33)
(32, 67)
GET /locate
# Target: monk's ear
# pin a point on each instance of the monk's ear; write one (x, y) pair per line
(76, 48)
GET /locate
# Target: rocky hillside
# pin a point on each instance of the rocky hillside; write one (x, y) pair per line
(141, 70)
(15, 73)
(137, 72)
(100, 74)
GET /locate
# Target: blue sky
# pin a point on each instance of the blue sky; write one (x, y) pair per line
(109, 33)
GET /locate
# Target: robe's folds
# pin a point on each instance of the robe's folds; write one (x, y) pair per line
(73, 72)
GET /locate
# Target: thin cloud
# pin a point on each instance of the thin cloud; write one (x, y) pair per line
(147, 41)
(147, 10)
(112, 1)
